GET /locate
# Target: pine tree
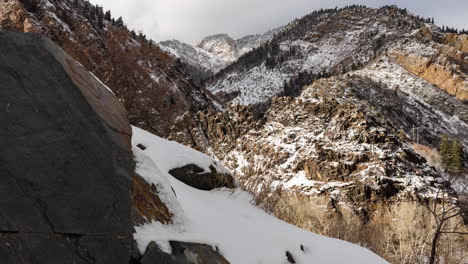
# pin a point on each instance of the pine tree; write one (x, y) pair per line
(108, 16)
(119, 23)
(445, 150)
(456, 162)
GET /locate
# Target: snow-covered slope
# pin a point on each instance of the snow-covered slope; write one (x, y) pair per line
(227, 219)
(329, 41)
(201, 62)
(222, 45)
(214, 52)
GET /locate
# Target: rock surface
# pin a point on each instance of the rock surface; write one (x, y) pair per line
(196, 177)
(66, 160)
(182, 253)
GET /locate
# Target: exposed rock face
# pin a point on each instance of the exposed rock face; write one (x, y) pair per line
(69, 191)
(409, 101)
(196, 177)
(182, 253)
(442, 64)
(15, 17)
(220, 45)
(66, 164)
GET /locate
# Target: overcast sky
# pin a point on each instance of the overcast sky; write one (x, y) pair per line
(191, 20)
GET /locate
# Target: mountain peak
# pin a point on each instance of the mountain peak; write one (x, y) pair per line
(221, 45)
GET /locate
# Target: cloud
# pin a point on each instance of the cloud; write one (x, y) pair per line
(191, 20)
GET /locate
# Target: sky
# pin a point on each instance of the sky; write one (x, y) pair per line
(191, 20)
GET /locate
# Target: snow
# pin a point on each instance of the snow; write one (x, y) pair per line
(227, 219)
(170, 154)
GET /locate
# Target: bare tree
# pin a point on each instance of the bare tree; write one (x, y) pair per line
(445, 210)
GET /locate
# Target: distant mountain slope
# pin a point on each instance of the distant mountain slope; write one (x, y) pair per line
(152, 85)
(200, 63)
(323, 42)
(214, 52)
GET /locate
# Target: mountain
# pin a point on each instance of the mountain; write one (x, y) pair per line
(199, 63)
(152, 85)
(352, 40)
(214, 52)
(323, 42)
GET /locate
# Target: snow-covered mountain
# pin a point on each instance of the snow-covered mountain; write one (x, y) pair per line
(382, 42)
(214, 52)
(221, 45)
(330, 41)
(199, 62)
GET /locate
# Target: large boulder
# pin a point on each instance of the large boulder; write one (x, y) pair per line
(182, 253)
(66, 163)
(198, 178)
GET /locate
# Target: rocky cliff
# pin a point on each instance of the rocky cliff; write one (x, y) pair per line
(67, 164)
(332, 162)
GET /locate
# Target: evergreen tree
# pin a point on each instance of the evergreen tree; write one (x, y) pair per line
(456, 162)
(108, 16)
(445, 150)
(119, 23)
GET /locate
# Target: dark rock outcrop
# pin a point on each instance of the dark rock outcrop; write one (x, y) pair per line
(65, 159)
(182, 253)
(196, 177)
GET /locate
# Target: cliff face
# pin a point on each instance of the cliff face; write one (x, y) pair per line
(67, 162)
(441, 63)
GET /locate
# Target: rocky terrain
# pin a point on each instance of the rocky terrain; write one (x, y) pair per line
(327, 155)
(337, 143)
(70, 192)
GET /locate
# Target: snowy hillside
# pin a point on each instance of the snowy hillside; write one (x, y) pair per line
(330, 41)
(200, 60)
(214, 52)
(226, 219)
